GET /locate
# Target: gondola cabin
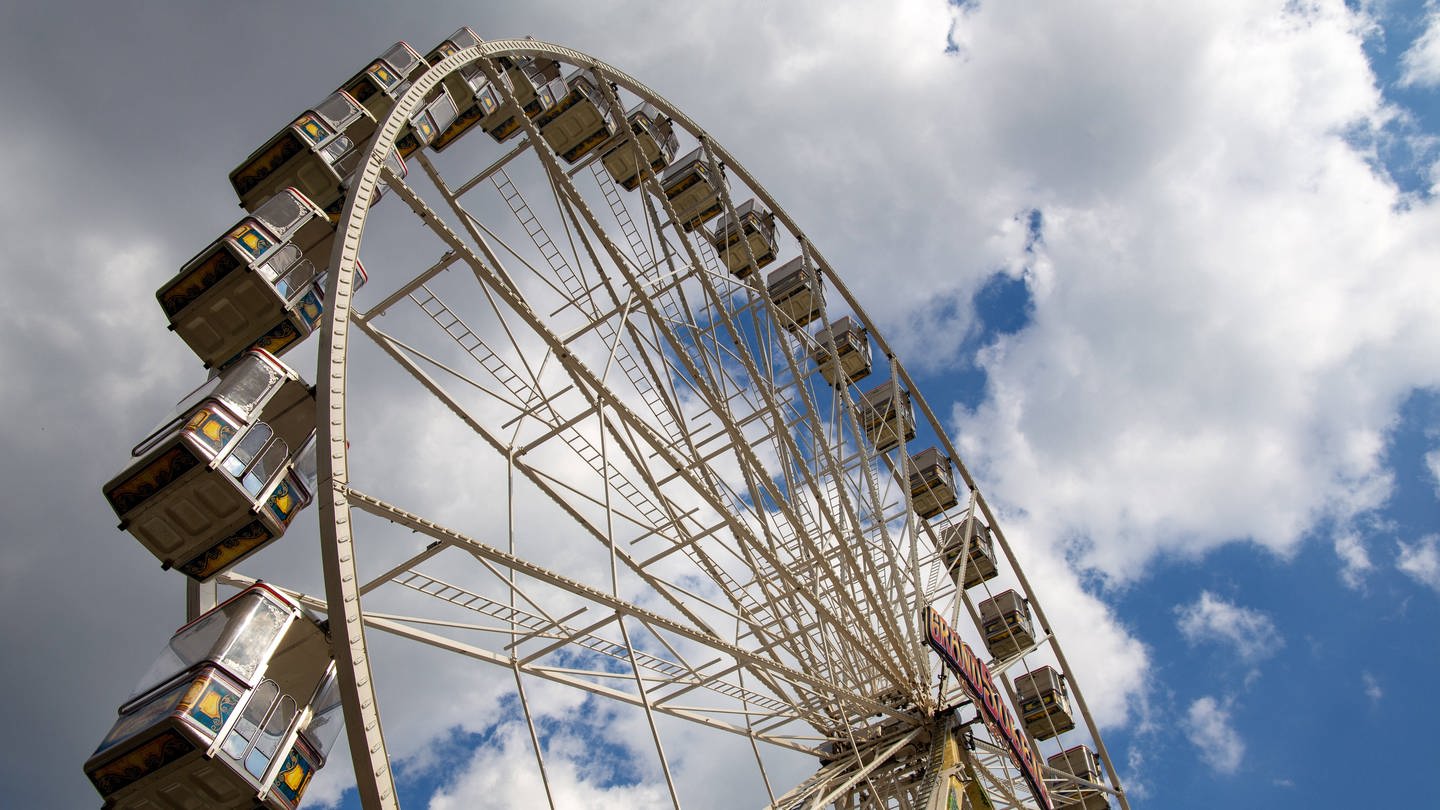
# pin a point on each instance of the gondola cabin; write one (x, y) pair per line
(535, 83)
(1044, 703)
(485, 110)
(435, 117)
(1081, 763)
(842, 352)
(465, 87)
(579, 121)
(797, 293)
(754, 224)
(385, 80)
(227, 473)
(981, 565)
(530, 78)
(239, 712)
(655, 141)
(380, 85)
(1005, 620)
(475, 98)
(260, 285)
(886, 415)
(932, 483)
(456, 42)
(314, 154)
(691, 189)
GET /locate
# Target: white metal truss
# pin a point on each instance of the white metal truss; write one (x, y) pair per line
(752, 564)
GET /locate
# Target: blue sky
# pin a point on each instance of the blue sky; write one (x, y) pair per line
(1170, 283)
(1295, 660)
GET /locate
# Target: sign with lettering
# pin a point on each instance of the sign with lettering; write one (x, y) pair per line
(980, 686)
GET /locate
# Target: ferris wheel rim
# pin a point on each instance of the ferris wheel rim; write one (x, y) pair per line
(341, 581)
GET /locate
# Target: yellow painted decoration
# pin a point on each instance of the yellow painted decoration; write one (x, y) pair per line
(979, 799)
(226, 552)
(382, 74)
(211, 430)
(974, 791)
(197, 421)
(251, 240)
(210, 705)
(283, 501)
(294, 778)
(193, 694)
(277, 340)
(312, 128)
(310, 310)
(139, 762)
(156, 475)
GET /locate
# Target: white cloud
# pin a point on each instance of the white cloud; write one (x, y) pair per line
(1354, 558)
(1421, 560)
(1373, 690)
(503, 774)
(1420, 64)
(1208, 727)
(1110, 663)
(1210, 618)
(1209, 359)
(1135, 786)
(1432, 462)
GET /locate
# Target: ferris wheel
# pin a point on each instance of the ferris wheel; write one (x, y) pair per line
(683, 470)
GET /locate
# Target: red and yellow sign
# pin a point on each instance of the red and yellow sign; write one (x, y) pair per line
(979, 684)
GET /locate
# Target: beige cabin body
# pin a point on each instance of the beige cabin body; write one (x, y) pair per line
(261, 285)
(655, 143)
(225, 475)
(315, 154)
(238, 712)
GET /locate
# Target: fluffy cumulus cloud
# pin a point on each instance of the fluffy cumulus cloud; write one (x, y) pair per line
(1354, 558)
(1420, 64)
(1212, 619)
(1208, 727)
(594, 754)
(1432, 463)
(503, 773)
(1110, 663)
(1373, 690)
(1210, 358)
(1421, 560)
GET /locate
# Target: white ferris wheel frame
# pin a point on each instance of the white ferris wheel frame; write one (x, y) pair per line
(343, 585)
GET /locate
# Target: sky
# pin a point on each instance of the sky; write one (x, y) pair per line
(1165, 270)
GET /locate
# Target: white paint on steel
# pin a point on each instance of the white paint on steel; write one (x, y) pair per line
(343, 590)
